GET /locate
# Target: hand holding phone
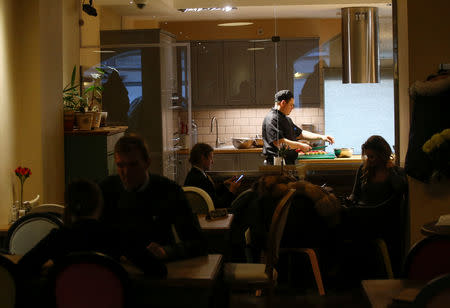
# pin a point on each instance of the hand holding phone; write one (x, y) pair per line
(239, 178)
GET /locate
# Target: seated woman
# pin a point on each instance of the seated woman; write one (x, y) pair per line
(201, 158)
(82, 231)
(377, 209)
(378, 179)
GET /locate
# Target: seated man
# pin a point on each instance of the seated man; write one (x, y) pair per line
(201, 158)
(151, 209)
(82, 231)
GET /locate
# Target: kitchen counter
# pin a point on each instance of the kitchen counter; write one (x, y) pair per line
(228, 149)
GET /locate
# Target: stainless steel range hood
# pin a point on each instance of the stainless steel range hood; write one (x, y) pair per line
(360, 58)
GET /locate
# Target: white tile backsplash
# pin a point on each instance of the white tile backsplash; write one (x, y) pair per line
(247, 122)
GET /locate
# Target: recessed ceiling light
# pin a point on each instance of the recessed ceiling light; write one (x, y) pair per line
(235, 24)
(200, 9)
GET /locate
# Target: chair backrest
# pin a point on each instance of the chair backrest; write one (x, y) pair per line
(89, 280)
(49, 208)
(199, 200)
(428, 259)
(8, 283)
(27, 231)
(435, 294)
(276, 231)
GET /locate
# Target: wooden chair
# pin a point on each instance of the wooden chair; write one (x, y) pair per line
(199, 200)
(49, 208)
(428, 259)
(27, 231)
(89, 280)
(262, 276)
(435, 294)
(8, 283)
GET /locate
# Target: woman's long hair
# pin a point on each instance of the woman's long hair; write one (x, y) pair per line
(382, 151)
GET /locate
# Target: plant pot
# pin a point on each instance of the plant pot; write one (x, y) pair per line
(69, 120)
(103, 118)
(96, 118)
(84, 120)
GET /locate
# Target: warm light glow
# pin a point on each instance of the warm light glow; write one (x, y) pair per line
(103, 51)
(255, 48)
(208, 9)
(235, 24)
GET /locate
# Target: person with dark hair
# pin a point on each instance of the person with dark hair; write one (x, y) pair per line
(278, 129)
(83, 231)
(151, 209)
(201, 159)
(377, 179)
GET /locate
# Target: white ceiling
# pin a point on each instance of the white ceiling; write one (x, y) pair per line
(166, 10)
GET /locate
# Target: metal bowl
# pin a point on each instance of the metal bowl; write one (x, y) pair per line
(259, 142)
(242, 143)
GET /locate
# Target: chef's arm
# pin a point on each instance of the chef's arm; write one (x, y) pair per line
(311, 136)
(292, 144)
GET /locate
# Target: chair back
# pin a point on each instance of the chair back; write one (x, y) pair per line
(428, 259)
(276, 231)
(435, 294)
(8, 283)
(199, 200)
(89, 280)
(27, 231)
(49, 208)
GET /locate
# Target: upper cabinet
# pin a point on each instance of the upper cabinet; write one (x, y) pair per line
(207, 73)
(247, 74)
(239, 72)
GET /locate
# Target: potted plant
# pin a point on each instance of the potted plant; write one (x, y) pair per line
(94, 97)
(71, 101)
(282, 153)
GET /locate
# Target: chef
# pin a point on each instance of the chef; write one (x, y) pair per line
(278, 129)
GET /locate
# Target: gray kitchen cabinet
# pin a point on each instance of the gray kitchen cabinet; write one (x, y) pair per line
(250, 161)
(225, 162)
(207, 73)
(265, 81)
(242, 73)
(302, 71)
(239, 73)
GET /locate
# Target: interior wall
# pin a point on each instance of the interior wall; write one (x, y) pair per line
(8, 104)
(428, 46)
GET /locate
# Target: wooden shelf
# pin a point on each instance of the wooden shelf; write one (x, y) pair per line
(108, 130)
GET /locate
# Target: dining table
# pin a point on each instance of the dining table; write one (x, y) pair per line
(197, 281)
(430, 228)
(391, 293)
(217, 232)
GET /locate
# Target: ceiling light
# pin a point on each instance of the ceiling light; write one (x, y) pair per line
(235, 24)
(199, 9)
(255, 48)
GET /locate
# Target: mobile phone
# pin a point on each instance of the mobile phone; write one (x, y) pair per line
(239, 178)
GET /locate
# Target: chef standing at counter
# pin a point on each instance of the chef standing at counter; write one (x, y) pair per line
(278, 128)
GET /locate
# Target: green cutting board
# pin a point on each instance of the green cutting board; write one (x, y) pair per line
(317, 156)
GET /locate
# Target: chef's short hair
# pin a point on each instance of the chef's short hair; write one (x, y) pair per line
(283, 95)
(131, 142)
(198, 151)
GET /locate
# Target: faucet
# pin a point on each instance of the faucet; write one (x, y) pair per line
(217, 130)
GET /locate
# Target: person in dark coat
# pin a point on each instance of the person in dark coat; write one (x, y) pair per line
(151, 209)
(201, 158)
